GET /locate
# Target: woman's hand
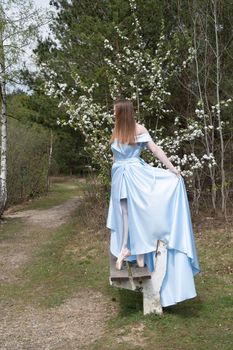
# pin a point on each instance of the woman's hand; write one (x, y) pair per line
(177, 172)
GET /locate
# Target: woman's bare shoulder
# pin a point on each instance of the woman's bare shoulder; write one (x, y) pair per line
(140, 129)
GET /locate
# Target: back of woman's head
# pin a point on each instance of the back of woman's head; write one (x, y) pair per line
(125, 124)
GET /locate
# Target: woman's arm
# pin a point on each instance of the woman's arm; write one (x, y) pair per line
(159, 153)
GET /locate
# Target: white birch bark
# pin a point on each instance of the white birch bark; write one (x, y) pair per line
(19, 22)
(3, 119)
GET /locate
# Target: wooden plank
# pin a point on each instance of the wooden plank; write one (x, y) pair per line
(140, 272)
(137, 272)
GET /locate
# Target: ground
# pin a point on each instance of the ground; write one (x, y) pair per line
(55, 292)
(74, 324)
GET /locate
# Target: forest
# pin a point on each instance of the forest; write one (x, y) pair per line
(175, 69)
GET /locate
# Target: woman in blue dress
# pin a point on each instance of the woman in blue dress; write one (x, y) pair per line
(148, 204)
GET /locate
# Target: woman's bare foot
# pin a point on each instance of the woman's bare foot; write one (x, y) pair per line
(125, 252)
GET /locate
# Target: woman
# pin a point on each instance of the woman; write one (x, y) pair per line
(148, 204)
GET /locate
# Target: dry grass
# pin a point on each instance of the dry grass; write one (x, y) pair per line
(60, 292)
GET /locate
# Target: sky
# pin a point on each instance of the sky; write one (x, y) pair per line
(44, 4)
(27, 57)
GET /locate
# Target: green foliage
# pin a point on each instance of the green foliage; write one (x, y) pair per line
(69, 156)
(80, 29)
(27, 161)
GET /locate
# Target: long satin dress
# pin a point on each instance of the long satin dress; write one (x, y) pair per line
(158, 209)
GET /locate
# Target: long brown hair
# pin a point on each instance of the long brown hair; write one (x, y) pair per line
(125, 124)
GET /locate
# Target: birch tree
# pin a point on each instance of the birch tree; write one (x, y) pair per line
(19, 23)
(209, 88)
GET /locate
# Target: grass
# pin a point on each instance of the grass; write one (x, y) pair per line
(56, 270)
(76, 258)
(58, 193)
(9, 229)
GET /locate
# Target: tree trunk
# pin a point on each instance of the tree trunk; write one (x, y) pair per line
(222, 148)
(208, 144)
(50, 158)
(3, 170)
(3, 119)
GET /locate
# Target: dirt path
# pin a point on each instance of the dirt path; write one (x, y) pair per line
(19, 248)
(48, 218)
(77, 323)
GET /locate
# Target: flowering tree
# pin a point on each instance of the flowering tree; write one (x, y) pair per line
(211, 98)
(145, 77)
(140, 77)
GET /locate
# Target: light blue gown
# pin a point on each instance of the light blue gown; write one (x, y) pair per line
(158, 209)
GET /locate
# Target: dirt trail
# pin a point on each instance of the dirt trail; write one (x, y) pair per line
(77, 323)
(47, 218)
(18, 249)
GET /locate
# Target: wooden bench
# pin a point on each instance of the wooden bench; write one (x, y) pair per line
(141, 280)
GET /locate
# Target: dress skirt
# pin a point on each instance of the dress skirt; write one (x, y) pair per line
(158, 209)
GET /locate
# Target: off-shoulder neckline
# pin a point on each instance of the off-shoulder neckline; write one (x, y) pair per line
(138, 135)
(143, 133)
